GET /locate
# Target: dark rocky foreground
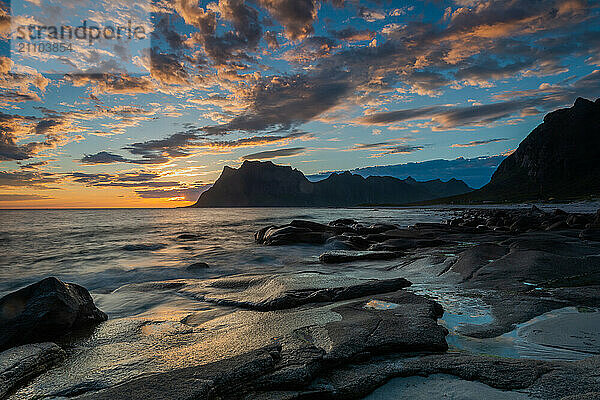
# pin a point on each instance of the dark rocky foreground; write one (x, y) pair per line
(347, 322)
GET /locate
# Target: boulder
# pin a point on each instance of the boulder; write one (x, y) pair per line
(406, 244)
(577, 220)
(144, 247)
(23, 363)
(311, 225)
(188, 236)
(557, 226)
(197, 266)
(274, 236)
(592, 234)
(45, 311)
(334, 257)
(343, 222)
(376, 228)
(524, 223)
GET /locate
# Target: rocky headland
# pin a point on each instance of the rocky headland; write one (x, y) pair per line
(557, 160)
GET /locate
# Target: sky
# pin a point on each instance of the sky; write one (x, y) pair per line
(149, 120)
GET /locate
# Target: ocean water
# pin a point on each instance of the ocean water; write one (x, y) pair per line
(103, 249)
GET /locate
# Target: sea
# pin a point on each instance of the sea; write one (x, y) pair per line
(103, 249)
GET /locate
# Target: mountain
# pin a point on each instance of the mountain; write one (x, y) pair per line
(475, 172)
(264, 184)
(559, 159)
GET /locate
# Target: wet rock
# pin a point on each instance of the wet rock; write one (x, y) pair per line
(23, 363)
(357, 242)
(188, 236)
(374, 229)
(300, 360)
(559, 225)
(144, 247)
(508, 310)
(575, 380)
(268, 293)
(592, 234)
(474, 258)
(406, 244)
(557, 244)
(500, 373)
(275, 236)
(311, 225)
(334, 257)
(560, 212)
(343, 222)
(229, 378)
(530, 266)
(197, 266)
(398, 322)
(259, 236)
(535, 210)
(524, 223)
(45, 311)
(339, 243)
(577, 220)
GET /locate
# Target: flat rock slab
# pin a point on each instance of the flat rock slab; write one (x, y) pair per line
(396, 323)
(565, 329)
(23, 363)
(367, 327)
(431, 387)
(277, 292)
(344, 256)
(222, 379)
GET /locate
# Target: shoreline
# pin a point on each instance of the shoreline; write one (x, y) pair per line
(325, 327)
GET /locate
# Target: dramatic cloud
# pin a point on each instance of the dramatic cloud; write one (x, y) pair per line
(34, 165)
(104, 157)
(269, 154)
(387, 148)
(14, 127)
(352, 34)
(129, 179)
(32, 179)
(311, 49)
(182, 194)
(296, 16)
(281, 103)
(22, 197)
(479, 142)
(161, 150)
(271, 39)
(238, 74)
(184, 144)
(386, 118)
(112, 84)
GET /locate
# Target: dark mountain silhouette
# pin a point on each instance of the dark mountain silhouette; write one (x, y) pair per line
(475, 172)
(264, 184)
(560, 159)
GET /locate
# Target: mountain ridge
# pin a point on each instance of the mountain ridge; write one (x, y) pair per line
(475, 172)
(264, 184)
(558, 160)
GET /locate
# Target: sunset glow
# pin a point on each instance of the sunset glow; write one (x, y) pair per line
(325, 85)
